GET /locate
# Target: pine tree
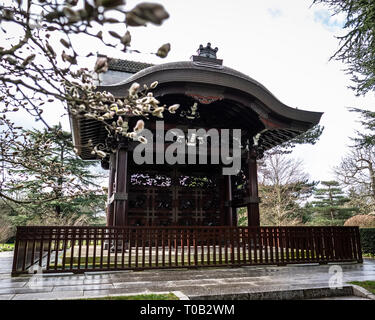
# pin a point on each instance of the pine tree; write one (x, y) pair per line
(357, 46)
(47, 183)
(311, 136)
(330, 204)
(365, 137)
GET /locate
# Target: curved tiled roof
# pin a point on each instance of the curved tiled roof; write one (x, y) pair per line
(191, 71)
(279, 122)
(127, 65)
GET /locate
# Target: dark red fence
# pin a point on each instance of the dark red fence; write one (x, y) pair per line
(82, 249)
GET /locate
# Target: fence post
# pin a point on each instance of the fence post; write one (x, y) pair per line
(359, 247)
(15, 256)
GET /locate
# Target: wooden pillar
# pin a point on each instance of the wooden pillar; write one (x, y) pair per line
(253, 200)
(228, 200)
(223, 220)
(111, 183)
(234, 217)
(120, 196)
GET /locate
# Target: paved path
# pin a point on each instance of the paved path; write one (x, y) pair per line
(192, 282)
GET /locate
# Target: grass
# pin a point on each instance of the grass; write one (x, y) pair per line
(6, 247)
(169, 296)
(368, 285)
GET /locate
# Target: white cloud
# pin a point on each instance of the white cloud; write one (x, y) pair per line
(331, 22)
(274, 12)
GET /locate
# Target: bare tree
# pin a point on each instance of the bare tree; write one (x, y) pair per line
(357, 171)
(6, 229)
(283, 185)
(39, 63)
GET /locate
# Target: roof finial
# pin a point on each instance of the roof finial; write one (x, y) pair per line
(207, 51)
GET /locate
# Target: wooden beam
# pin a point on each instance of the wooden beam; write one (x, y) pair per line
(228, 200)
(111, 182)
(121, 187)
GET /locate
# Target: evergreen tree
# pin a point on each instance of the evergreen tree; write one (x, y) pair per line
(365, 137)
(306, 211)
(242, 219)
(357, 46)
(311, 136)
(330, 206)
(47, 183)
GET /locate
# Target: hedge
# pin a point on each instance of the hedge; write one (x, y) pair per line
(368, 240)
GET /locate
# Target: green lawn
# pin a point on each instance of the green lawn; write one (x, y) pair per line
(169, 296)
(111, 263)
(368, 285)
(6, 247)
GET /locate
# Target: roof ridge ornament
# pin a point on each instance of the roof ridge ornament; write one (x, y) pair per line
(206, 56)
(207, 51)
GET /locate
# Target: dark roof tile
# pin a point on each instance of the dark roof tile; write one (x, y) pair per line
(127, 65)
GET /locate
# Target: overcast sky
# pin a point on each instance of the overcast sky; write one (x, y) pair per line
(285, 45)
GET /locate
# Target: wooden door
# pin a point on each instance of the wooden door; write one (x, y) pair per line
(179, 197)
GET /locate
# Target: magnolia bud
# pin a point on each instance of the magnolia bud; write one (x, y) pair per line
(101, 65)
(173, 108)
(163, 50)
(154, 84)
(120, 121)
(139, 126)
(125, 40)
(134, 88)
(158, 112)
(142, 140)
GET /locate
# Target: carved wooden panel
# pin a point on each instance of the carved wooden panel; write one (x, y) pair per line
(176, 198)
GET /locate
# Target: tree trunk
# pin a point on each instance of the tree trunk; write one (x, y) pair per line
(372, 177)
(60, 181)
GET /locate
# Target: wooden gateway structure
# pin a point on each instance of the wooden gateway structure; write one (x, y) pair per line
(192, 195)
(184, 215)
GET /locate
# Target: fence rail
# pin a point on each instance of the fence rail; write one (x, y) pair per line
(82, 249)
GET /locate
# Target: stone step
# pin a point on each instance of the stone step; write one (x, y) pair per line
(283, 294)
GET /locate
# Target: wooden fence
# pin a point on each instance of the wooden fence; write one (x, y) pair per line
(83, 249)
